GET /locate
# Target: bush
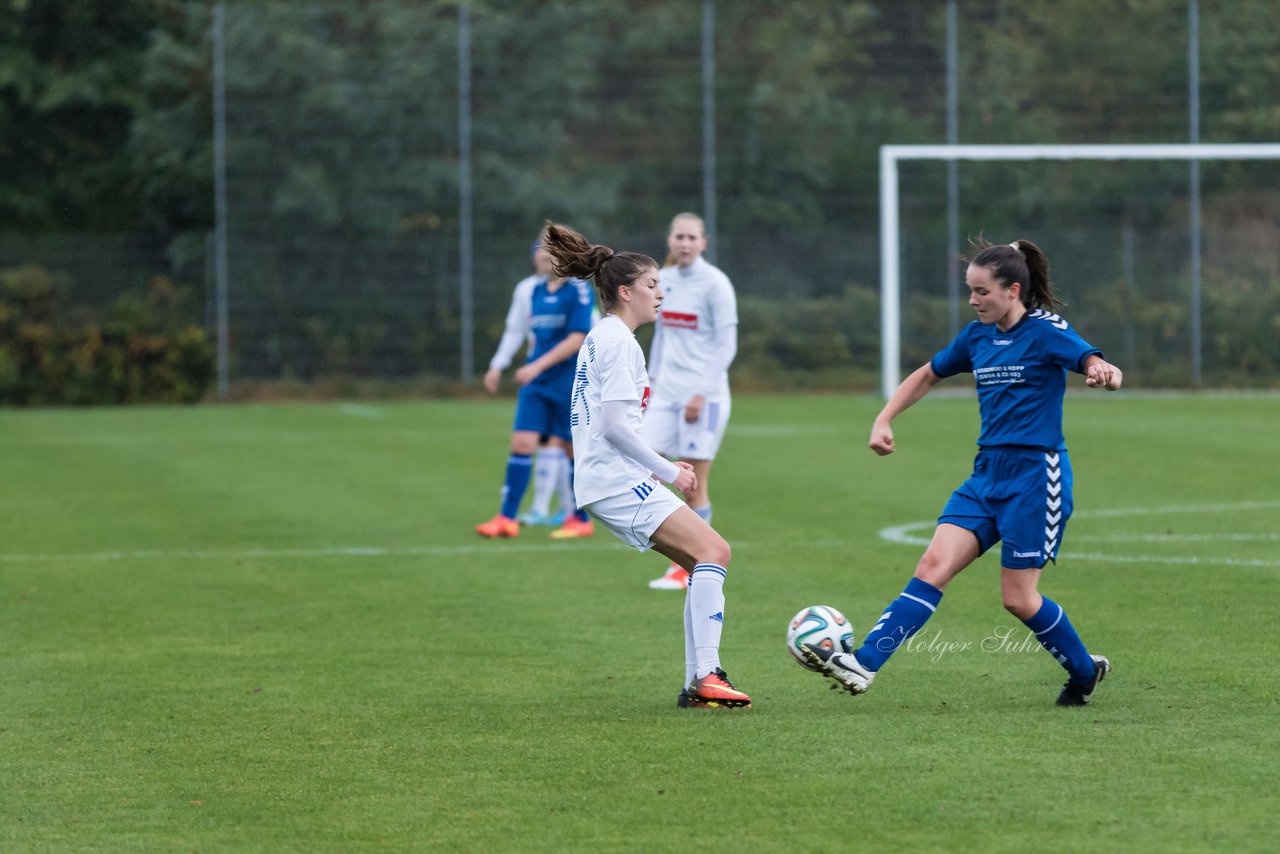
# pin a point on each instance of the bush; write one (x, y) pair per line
(140, 350)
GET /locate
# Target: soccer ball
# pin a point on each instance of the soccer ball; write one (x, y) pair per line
(822, 626)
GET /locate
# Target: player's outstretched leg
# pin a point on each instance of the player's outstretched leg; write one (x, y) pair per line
(842, 667)
(905, 616)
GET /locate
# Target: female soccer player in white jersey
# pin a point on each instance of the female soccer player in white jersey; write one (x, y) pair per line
(693, 345)
(560, 314)
(1019, 352)
(617, 469)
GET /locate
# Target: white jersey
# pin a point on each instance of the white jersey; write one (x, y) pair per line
(697, 300)
(610, 367)
(518, 330)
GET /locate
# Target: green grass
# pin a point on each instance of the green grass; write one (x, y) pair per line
(270, 628)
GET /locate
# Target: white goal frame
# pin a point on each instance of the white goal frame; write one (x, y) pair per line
(890, 286)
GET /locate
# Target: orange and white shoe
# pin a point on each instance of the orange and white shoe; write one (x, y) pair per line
(499, 526)
(573, 529)
(714, 691)
(676, 578)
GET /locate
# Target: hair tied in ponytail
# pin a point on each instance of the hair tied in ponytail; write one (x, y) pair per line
(1015, 247)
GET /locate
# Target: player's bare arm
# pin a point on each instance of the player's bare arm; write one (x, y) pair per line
(566, 349)
(1099, 373)
(911, 389)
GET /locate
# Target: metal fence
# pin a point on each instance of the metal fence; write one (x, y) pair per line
(385, 165)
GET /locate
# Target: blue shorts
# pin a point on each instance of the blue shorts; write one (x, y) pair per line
(544, 410)
(1021, 496)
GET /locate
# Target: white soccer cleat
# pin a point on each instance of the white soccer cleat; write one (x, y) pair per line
(842, 667)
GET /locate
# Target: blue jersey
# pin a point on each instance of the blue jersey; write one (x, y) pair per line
(1021, 375)
(552, 318)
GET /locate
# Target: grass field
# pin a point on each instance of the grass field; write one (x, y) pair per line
(270, 628)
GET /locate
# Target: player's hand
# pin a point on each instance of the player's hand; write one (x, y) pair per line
(1102, 374)
(686, 481)
(881, 439)
(526, 374)
(693, 408)
(491, 378)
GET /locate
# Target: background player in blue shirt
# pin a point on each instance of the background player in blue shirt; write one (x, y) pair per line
(559, 319)
(1019, 352)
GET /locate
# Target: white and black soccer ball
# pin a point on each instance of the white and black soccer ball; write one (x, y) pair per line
(822, 626)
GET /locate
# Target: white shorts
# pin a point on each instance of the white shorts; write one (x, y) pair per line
(634, 515)
(668, 433)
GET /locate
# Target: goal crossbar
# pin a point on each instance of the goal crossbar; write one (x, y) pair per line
(890, 287)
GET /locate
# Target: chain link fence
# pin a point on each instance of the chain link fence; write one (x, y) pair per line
(346, 223)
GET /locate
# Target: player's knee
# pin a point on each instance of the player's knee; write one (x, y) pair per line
(716, 551)
(1019, 604)
(524, 444)
(932, 569)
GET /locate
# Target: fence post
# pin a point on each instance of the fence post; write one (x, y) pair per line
(709, 124)
(465, 201)
(218, 38)
(1193, 87)
(953, 176)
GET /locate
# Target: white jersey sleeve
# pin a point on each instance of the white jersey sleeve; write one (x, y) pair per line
(518, 327)
(622, 435)
(610, 368)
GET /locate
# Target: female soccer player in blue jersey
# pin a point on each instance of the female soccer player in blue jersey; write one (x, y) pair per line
(618, 470)
(552, 467)
(1019, 352)
(560, 315)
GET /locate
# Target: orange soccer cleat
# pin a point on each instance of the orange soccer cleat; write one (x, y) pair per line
(715, 691)
(573, 529)
(676, 578)
(499, 526)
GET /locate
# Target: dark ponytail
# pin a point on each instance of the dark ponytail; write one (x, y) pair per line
(574, 257)
(1021, 261)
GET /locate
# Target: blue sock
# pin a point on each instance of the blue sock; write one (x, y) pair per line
(1058, 636)
(905, 616)
(578, 512)
(704, 512)
(519, 467)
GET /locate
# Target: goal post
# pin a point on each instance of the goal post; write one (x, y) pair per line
(890, 155)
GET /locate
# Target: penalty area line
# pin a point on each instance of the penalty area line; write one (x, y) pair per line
(324, 552)
(906, 535)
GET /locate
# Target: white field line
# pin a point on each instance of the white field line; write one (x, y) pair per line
(904, 534)
(900, 534)
(318, 552)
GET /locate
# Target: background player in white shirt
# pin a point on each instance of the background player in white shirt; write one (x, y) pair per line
(617, 470)
(693, 345)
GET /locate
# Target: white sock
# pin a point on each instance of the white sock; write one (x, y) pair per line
(706, 615)
(704, 512)
(690, 654)
(546, 470)
(564, 485)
